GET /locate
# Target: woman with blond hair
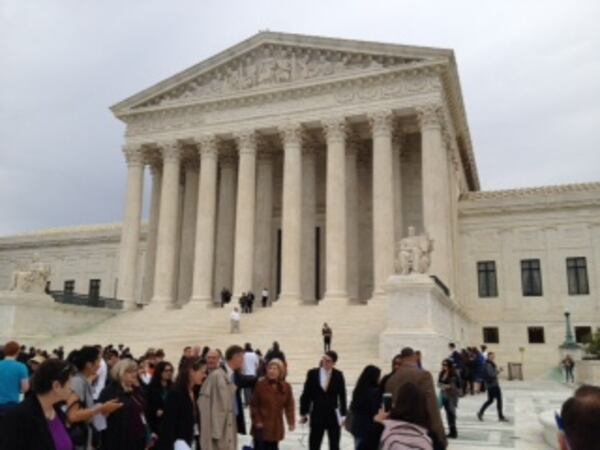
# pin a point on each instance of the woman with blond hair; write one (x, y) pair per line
(272, 398)
(126, 429)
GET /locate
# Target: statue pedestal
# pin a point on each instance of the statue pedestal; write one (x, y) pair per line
(421, 316)
(33, 317)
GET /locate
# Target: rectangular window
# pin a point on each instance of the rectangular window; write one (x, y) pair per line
(486, 278)
(69, 287)
(94, 288)
(583, 334)
(577, 276)
(536, 335)
(491, 335)
(531, 277)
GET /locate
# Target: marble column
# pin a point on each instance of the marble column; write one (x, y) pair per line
(309, 214)
(264, 223)
(226, 221)
(291, 220)
(335, 215)
(243, 261)
(205, 222)
(353, 147)
(188, 232)
(130, 234)
(383, 201)
(166, 252)
(397, 141)
(436, 188)
(152, 235)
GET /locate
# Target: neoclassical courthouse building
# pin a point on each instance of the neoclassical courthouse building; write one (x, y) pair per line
(297, 163)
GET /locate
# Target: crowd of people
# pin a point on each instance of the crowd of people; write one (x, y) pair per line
(105, 398)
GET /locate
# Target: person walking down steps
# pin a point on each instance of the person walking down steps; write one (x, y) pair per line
(327, 333)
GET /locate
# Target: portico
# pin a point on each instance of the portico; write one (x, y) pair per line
(295, 165)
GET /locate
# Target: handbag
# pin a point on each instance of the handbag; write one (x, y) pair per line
(349, 421)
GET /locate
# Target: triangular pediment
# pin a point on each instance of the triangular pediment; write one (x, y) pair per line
(270, 60)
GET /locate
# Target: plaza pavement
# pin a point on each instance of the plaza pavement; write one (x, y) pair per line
(523, 401)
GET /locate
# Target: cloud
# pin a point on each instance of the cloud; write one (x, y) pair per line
(529, 71)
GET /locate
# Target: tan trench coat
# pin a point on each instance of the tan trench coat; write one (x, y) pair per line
(218, 429)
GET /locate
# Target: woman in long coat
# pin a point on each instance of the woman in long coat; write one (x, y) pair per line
(272, 397)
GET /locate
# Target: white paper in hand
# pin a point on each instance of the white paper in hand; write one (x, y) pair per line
(180, 444)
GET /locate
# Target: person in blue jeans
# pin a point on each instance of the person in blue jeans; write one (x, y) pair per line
(491, 372)
(14, 377)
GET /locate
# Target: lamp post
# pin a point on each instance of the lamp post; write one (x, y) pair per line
(569, 339)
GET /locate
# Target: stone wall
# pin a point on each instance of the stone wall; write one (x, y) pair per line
(549, 224)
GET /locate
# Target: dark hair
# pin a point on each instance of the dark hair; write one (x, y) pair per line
(452, 345)
(368, 379)
(50, 371)
(183, 375)
(186, 348)
(410, 405)
(333, 355)
(248, 346)
(158, 371)
(276, 346)
(232, 351)
(110, 353)
(11, 348)
(160, 353)
(581, 418)
(87, 354)
(396, 360)
(451, 368)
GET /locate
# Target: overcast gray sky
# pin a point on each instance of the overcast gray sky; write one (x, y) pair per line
(530, 73)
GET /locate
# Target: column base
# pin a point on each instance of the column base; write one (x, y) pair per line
(336, 296)
(290, 298)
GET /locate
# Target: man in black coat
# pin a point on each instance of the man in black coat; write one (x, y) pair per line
(324, 398)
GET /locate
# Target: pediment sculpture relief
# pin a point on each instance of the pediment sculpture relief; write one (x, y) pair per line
(272, 65)
(413, 253)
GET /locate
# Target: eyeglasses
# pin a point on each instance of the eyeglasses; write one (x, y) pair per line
(168, 370)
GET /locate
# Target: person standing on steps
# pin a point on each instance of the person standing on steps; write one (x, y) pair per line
(265, 297)
(324, 398)
(225, 296)
(491, 372)
(235, 319)
(327, 333)
(569, 365)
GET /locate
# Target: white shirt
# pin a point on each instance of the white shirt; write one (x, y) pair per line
(100, 380)
(251, 363)
(235, 316)
(265, 293)
(324, 377)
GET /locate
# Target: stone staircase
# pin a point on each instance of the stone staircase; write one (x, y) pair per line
(356, 329)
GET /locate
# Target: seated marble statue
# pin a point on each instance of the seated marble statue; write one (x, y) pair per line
(33, 279)
(413, 253)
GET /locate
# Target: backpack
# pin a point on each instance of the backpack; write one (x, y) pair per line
(399, 435)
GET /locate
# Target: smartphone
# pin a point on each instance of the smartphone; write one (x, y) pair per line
(387, 402)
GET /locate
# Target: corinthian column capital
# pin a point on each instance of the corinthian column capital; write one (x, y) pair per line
(171, 151)
(291, 134)
(430, 116)
(381, 123)
(335, 129)
(246, 141)
(134, 155)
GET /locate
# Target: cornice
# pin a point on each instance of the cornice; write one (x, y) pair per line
(529, 200)
(78, 235)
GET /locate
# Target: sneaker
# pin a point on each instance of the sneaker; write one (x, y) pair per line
(452, 436)
(480, 416)
(503, 419)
